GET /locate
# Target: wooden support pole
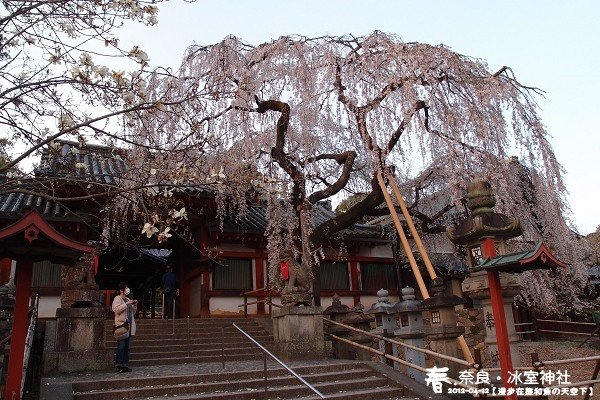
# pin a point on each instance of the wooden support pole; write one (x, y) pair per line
(413, 230)
(403, 239)
(462, 343)
(12, 391)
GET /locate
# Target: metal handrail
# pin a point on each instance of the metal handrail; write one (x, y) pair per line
(267, 352)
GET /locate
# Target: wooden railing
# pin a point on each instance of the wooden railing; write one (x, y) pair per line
(386, 355)
(552, 327)
(263, 296)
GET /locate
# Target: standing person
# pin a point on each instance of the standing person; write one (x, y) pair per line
(170, 287)
(124, 309)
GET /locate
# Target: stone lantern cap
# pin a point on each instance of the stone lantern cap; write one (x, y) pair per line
(337, 307)
(383, 305)
(483, 221)
(409, 302)
(515, 263)
(440, 299)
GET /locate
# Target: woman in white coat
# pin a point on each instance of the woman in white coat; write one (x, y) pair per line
(124, 309)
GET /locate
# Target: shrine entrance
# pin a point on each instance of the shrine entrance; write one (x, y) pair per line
(28, 240)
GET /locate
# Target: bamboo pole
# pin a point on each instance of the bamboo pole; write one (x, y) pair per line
(407, 249)
(404, 240)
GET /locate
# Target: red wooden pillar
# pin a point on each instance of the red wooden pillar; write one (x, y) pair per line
(488, 250)
(259, 264)
(5, 267)
(24, 271)
(354, 280)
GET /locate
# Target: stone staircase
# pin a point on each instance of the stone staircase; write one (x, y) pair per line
(336, 380)
(184, 366)
(155, 342)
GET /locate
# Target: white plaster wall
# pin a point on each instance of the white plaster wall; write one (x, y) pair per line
(346, 300)
(368, 301)
(377, 251)
(229, 305)
(48, 306)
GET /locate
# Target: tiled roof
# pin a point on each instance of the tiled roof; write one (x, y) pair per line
(15, 204)
(99, 163)
(255, 221)
(104, 165)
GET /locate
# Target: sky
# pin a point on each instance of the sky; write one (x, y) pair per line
(553, 45)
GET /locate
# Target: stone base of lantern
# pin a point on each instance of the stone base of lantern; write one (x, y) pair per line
(75, 342)
(298, 332)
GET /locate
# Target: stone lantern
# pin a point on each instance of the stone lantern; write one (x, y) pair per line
(358, 319)
(485, 224)
(484, 233)
(411, 330)
(384, 312)
(443, 330)
(337, 312)
(385, 321)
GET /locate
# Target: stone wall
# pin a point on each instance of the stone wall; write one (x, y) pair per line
(472, 320)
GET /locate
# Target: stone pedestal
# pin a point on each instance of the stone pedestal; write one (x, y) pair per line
(81, 298)
(76, 341)
(476, 286)
(298, 332)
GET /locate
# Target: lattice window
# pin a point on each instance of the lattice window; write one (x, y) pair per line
(334, 276)
(46, 274)
(378, 276)
(435, 317)
(232, 274)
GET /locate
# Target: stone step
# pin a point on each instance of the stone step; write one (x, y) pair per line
(229, 351)
(253, 382)
(205, 337)
(140, 346)
(220, 376)
(282, 387)
(189, 360)
(193, 321)
(193, 330)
